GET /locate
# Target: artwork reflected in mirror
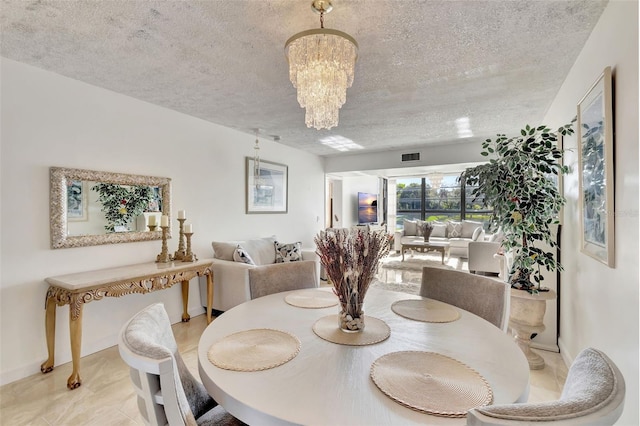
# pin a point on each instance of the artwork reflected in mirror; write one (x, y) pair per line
(91, 208)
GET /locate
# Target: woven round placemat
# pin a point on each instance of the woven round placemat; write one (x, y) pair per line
(431, 383)
(375, 330)
(314, 299)
(254, 350)
(426, 310)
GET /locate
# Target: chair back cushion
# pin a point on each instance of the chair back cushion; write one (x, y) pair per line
(269, 279)
(591, 382)
(593, 394)
(149, 335)
(480, 295)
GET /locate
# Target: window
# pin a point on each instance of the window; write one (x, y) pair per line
(437, 196)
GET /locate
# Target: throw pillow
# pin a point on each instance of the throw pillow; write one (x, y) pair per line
(223, 250)
(410, 227)
(469, 227)
(419, 228)
(241, 255)
(261, 250)
(439, 230)
(476, 233)
(288, 252)
(454, 229)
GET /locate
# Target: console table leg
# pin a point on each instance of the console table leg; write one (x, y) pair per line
(50, 327)
(75, 329)
(209, 296)
(185, 301)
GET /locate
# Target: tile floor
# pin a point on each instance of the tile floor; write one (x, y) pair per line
(106, 396)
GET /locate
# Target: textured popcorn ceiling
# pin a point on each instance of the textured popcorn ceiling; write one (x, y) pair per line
(428, 72)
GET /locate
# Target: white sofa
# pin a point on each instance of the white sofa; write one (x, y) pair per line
(231, 281)
(457, 234)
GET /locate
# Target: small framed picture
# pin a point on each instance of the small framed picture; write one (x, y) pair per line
(595, 159)
(266, 187)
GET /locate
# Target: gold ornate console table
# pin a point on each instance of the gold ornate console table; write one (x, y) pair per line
(77, 289)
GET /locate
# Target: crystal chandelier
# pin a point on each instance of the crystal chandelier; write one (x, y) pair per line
(321, 64)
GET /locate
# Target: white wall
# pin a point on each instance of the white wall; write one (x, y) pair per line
(334, 191)
(599, 305)
(350, 188)
(438, 155)
(49, 120)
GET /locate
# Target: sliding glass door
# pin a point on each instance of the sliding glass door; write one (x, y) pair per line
(437, 196)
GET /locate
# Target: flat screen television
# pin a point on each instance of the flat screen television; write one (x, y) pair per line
(367, 207)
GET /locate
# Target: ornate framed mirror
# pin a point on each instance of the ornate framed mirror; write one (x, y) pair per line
(90, 207)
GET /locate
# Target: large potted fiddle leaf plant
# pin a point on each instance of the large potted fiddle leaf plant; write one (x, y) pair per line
(519, 182)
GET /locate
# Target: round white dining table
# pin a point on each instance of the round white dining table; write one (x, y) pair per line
(330, 384)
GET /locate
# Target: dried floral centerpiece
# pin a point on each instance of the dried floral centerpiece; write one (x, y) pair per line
(350, 259)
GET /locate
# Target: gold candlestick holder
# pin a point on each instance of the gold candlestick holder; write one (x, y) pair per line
(164, 256)
(152, 227)
(179, 254)
(189, 256)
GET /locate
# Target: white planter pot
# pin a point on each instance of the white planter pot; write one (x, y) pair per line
(526, 318)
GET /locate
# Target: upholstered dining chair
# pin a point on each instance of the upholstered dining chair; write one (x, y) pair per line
(593, 394)
(167, 391)
(484, 296)
(278, 277)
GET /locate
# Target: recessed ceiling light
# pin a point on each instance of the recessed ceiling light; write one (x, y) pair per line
(340, 143)
(464, 127)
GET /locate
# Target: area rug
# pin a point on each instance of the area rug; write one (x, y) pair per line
(409, 288)
(415, 262)
(408, 277)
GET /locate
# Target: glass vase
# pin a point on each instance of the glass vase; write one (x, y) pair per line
(351, 322)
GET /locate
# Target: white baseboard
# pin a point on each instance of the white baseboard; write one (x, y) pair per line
(20, 373)
(197, 310)
(63, 353)
(566, 355)
(545, 347)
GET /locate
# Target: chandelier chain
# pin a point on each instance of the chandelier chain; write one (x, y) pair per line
(256, 163)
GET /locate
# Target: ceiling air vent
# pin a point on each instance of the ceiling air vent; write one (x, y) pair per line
(411, 157)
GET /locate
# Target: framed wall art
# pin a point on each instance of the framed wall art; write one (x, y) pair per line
(266, 186)
(596, 174)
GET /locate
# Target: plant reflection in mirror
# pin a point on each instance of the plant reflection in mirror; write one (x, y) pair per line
(121, 204)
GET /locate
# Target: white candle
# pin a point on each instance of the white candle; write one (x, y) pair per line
(182, 214)
(164, 220)
(152, 220)
(188, 228)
